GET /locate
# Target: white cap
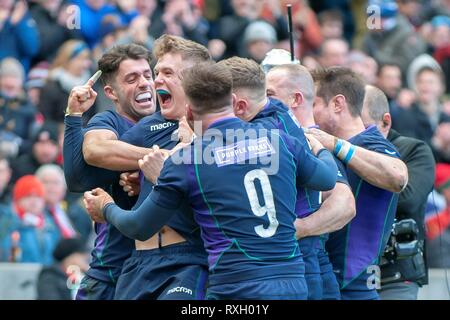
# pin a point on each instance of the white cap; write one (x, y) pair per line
(276, 57)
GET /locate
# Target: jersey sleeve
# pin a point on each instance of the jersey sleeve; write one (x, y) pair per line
(104, 120)
(136, 134)
(377, 143)
(172, 185)
(341, 172)
(79, 175)
(318, 173)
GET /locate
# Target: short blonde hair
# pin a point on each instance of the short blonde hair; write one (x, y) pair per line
(188, 49)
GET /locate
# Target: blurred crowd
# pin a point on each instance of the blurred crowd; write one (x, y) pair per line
(49, 46)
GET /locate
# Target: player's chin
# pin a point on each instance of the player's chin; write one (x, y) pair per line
(168, 111)
(144, 108)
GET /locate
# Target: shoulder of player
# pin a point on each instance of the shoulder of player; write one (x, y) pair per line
(371, 139)
(104, 116)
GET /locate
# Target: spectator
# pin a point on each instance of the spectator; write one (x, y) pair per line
(331, 24)
(395, 41)
(425, 114)
(18, 32)
(17, 115)
(333, 52)
(441, 143)
(126, 9)
(183, 18)
(413, 10)
(44, 150)
(53, 30)
(34, 233)
(438, 224)
(137, 32)
(259, 38)
(150, 9)
(5, 178)
(232, 27)
(69, 69)
(54, 281)
(72, 221)
(363, 65)
(37, 77)
(111, 30)
(389, 80)
(345, 7)
(440, 42)
(91, 13)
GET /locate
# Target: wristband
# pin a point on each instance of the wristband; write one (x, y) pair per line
(344, 150)
(68, 113)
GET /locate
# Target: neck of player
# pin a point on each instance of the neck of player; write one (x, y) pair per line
(353, 127)
(209, 119)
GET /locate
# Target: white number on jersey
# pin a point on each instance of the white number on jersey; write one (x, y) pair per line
(269, 205)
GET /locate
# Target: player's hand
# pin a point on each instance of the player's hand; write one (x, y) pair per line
(95, 201)
(327, 140)
(179, 146)
(185, 132)
(130, 183)
(82, 98)
(151, 165)
(314, 143)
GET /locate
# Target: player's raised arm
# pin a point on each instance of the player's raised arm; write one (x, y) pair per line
(82, 98)
(101, 148)
(317, 172)
(380, 170)
(78, 174)
(149, 218)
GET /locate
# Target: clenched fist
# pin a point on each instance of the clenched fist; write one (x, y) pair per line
(95, 201)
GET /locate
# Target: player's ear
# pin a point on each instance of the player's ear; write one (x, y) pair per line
(338, 103)
(387, 120)
(110, 93)
(298, 100)
(240, 107)
(189, 115)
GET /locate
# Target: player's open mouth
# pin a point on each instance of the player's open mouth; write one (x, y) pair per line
(144, 98)
(164, 97)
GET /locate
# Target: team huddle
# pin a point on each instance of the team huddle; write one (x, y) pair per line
(245, 185)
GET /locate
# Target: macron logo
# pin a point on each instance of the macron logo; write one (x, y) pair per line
(161, 126)
(179, 289)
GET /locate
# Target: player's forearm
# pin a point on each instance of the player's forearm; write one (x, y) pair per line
(140, 224)
(335, 212)
(79, 176)
(379, 170)
(323, 178)
(113, 155)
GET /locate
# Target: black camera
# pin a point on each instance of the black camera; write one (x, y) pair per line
(403, 241)
(403, 256)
